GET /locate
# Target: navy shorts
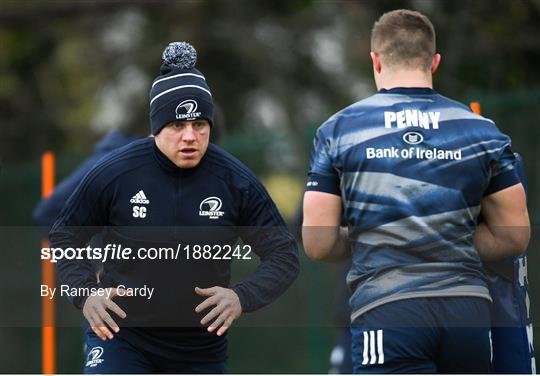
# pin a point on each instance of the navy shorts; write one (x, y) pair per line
(424, 335)
(120, 357)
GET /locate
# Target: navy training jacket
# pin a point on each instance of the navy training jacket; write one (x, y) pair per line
(137, 198)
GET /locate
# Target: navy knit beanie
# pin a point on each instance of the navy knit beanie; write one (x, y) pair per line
(180, 92)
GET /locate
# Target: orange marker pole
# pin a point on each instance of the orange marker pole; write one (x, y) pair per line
(475, 106)
(48, 329)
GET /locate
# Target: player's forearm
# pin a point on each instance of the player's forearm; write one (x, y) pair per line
(275, 274)
(328, 244)
(74, 273)
(497, 243)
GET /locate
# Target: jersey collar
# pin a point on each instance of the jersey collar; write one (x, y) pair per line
(408, 91)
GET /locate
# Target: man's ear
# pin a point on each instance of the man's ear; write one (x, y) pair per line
(376, 60)
(435, 61)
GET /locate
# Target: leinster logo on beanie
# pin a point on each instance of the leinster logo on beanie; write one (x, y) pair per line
(187, 110)
(180, 92)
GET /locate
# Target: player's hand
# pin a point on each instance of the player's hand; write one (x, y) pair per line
(95, 311)
(227, 308)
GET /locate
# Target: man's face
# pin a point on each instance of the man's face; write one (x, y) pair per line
(184, 142)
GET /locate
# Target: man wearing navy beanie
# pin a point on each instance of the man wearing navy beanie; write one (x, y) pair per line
(169, 191)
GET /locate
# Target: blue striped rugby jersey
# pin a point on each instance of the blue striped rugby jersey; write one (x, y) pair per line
(411, 167)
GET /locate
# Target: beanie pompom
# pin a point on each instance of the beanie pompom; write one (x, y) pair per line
(180, 55)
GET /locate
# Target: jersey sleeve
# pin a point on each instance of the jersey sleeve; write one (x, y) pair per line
(83, 216)
(504, 169)
(322, 176)
(263, 228)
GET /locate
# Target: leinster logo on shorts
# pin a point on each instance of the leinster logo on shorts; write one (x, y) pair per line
(413, 138)
(210, 207)
(186, 110)
(94, 357)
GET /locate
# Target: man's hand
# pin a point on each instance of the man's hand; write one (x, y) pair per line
(227, 307)
(95, 311)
